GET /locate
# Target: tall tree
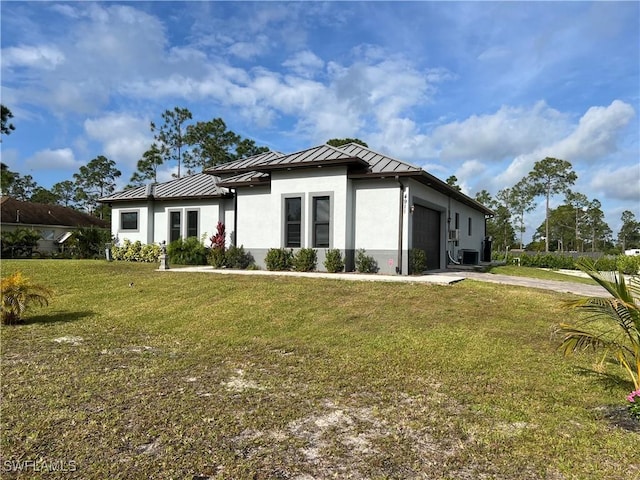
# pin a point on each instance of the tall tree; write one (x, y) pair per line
(170, 136)
(579, 202)
(338, 142)
(66, 191)
(600, 231)
(147, 167)
(95, 180)
(6, 127)
(22, 188)
(499, 227)
(42, 195)
(453, 181)
(521, 202)
(7, 177)
(549, 177)
(212, 144)
(629, 234)
(247, 148)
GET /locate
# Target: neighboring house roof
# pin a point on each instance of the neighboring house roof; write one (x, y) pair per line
(17, 212)
(198, 186)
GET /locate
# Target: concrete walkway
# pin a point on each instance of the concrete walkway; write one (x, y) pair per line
(440, 278)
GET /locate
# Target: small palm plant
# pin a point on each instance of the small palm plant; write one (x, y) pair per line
(18, 292)
(612, 323)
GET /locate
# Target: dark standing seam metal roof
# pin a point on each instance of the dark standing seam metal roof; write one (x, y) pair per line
(245, 164)
(382, 165)
(322, 155)
(379, 163)
(200, 185)
(18, 212)
(245, 179)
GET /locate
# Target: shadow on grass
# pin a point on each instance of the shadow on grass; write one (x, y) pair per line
(608, 380)
(58, 317)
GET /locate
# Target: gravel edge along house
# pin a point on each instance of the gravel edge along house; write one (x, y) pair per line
(325, 197)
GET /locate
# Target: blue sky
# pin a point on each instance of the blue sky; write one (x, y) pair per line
(480, 90)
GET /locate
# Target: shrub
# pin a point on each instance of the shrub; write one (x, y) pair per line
(90, 242)
(279, 259)
(219, 239)
(417, 261)
(237, 258)
(19, 242)
(629, 264)
(365, 263)
(217, 257)
(333, 261)
(606, 264)
(17, 294)
(305, 260)
(190, 251)
(133, 253)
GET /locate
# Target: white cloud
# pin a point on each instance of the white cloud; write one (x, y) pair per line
(124, 138)
(48, 159)
(35, 56)
(597, 133)
(621, 184)
(304, 63)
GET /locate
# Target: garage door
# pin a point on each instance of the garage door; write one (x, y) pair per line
(426, 234)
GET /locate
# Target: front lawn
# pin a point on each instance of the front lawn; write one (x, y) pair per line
(196, 375)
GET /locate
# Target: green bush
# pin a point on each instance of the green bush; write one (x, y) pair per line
(236, 257)
(279, 259)
(190, 251)
(90, 242)
(629, 264)
(606, 264)
(547, 261)
(365, 263)
(417, 261)
(19, 242)
(134, 252)
(333, 261)
(217, 257)
(305, 260)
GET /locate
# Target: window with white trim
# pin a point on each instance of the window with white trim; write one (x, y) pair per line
(293, 222)
(321, 217)
(129, 220)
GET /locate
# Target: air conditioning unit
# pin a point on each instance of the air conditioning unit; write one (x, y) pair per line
(454, 235)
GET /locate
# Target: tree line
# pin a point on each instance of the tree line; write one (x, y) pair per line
(577, 225)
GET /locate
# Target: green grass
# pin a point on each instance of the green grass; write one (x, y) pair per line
(195, 375)
(539, 273)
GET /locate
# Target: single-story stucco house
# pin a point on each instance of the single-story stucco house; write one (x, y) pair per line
(54, 222)
(347, 197)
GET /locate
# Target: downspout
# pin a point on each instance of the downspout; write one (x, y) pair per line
(151, 227)
(235, 216)
(400, 228)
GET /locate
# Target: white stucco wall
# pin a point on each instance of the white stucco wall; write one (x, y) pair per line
(133, 235)
(260, 209)
(377, 205)
(154, 228)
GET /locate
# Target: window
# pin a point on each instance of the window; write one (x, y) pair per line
(174, 226)
(469, 226)
(293, 220)
(321, 216)
(128, 220)
(192, 223)
(457, 221)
